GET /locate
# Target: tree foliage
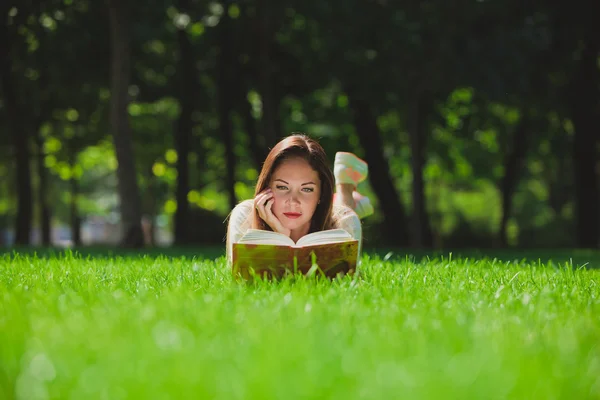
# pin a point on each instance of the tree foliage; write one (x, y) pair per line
(479, 119)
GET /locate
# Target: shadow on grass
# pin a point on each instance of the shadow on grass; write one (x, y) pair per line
(576, 257)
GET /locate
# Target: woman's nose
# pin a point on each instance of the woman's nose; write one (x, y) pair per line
(293, 198)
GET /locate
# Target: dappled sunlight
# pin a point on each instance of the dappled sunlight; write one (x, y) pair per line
(477, 133)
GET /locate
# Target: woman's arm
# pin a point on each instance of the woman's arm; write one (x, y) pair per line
(348, 220)
(239, 222)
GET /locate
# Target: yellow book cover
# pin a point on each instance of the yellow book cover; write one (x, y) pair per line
(272, 255)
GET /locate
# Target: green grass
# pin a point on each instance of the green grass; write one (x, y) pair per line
(162, 327)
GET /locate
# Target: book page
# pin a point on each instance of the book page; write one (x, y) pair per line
(324, 237)
(258, 236)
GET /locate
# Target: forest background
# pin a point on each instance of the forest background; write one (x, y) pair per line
(144, 123)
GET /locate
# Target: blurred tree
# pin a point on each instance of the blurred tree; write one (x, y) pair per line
(370, 139)
(186, 88)
(15, 116)
(584, 96)
(225, 97)
(131, 216)
(267, 15)
(476, 118)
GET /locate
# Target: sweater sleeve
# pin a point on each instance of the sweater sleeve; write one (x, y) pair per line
(350, 222)
(239, 222)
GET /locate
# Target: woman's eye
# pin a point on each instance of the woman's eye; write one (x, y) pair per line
(279, 187)
(310, 190)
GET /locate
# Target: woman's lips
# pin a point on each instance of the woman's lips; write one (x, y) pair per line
(292, 215)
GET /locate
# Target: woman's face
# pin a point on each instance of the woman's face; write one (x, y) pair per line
(297, 189)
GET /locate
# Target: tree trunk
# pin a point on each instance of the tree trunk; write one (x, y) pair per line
(44, 207)
(586, 180)
(129, 194)
(149, 228)
(75, 218)
(421, 232)
(244, 74)
(513, 162)
(277, 122)
(395, 221)
(256, 148)
(73, 149)
(585, 102)
(2, 227)
(200, 165)
(20, 136)
(225, 93)
(149, 208)
(41, 103)
(559, 185)
(270, 108)
(183, 133)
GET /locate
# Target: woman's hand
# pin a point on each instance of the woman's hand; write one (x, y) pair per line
(263, 202)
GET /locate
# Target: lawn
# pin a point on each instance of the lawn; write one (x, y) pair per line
(171, 326)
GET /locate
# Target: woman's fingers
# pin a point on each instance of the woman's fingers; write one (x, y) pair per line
(263, 203)
(257, 198)
(269, 204)
(270, 218)
(263, 200)
(270, 213)
(257, 201)
(269, 210)
(260, 201)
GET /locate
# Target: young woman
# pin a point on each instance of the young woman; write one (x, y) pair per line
(295, 196)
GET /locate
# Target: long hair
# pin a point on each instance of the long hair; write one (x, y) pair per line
(301, 146)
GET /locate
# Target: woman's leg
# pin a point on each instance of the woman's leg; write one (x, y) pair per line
(349, 171)
(343, 194)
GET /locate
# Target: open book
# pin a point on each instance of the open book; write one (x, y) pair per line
(272, 254)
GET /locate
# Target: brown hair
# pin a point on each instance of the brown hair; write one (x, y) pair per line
(301, 146)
